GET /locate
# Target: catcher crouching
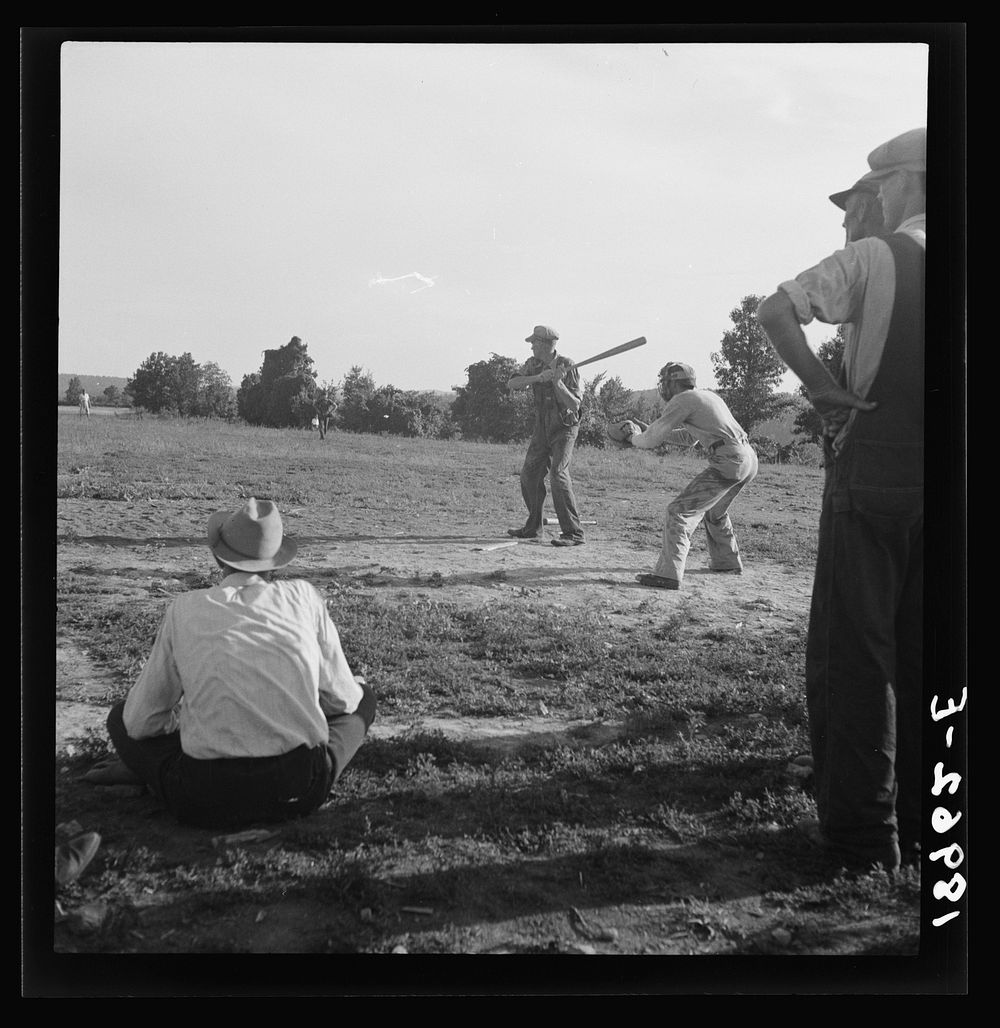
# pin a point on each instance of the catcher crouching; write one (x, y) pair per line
(695, 416)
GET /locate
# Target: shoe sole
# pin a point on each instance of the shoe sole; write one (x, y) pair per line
(646, 580)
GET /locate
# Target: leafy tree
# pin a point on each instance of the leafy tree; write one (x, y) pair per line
(165, 384)
(592, 430)
(185, 382)
(831, 353)
(290, 402)
(73, 390)
(747, 368)
(429, 415)
(387, 411)
(330, 388)
(216, 398)
(616, 401)
(356, 390)
(605, 403)
(280, 394)
(365, 407)
(648, 406)
(485, 409)
(250, 399)
(112, 396)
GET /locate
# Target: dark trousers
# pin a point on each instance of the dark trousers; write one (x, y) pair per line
(228, 793)
(549, 454)
(864, 665)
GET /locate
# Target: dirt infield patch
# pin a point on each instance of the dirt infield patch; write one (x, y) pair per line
(155, 548)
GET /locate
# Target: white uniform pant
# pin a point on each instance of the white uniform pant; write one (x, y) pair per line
(709, 496)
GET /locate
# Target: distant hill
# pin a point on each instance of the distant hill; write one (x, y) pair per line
(94, 384)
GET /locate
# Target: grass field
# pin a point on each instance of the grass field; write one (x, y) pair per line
(563, 762)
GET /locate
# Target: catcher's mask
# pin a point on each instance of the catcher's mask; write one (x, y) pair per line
(675, 372)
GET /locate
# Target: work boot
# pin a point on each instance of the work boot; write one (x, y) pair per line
(658, 582)
(886, 857)
(111, 772)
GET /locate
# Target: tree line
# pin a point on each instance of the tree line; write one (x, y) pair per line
(110, 396)
(165, 384)
(283, 393)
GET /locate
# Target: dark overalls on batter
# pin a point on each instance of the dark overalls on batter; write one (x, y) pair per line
(549, 454)
(864, 658)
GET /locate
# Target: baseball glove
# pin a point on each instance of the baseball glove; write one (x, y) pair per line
(621, 432)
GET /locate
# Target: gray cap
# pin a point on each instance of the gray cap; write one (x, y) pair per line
(905, 152)
(861, 186)
(675, 371)
(543, 334)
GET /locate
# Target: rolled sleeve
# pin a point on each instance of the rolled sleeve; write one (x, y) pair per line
(833, 290)
(571, 380)
(339, 693)
(801, 303)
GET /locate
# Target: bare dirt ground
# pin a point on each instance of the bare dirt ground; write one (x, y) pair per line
(160, 543)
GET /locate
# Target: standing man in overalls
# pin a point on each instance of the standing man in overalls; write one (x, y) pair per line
(864, 658)
(555, 385)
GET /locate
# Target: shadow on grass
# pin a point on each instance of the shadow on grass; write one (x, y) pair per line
(543, 574)
(127, 541)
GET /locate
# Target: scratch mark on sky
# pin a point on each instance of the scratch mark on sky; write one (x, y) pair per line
(427, 280)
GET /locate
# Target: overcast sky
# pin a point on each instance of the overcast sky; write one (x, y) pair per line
(415, 207)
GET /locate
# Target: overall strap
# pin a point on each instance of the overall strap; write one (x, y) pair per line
(883, 452)
(899, 384)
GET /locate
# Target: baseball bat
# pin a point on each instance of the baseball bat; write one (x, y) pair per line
(630, 345)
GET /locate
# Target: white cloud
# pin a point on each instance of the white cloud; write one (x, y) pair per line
(427, 280)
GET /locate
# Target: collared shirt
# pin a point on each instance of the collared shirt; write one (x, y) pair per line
(693, 416)
(546, 390)
(248, 668)
(854, 286)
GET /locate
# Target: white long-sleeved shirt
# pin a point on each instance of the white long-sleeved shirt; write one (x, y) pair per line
(248, 668)
(694, 416)
(855, 286)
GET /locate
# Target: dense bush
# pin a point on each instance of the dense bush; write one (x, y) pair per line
(280, 394)
(770, 451)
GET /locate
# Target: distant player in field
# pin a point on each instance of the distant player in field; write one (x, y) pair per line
(324, 406)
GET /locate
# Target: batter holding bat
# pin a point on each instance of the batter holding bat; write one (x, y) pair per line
(695, 416)
(555, 385)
